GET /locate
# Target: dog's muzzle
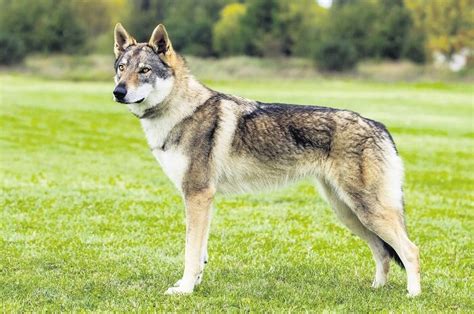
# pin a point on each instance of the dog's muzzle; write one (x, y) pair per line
(120, 92)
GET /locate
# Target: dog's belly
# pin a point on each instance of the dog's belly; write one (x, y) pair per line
(242, 176)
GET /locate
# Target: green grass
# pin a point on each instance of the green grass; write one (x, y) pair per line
(89, 221)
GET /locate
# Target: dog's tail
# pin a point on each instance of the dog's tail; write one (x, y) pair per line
(393, 254)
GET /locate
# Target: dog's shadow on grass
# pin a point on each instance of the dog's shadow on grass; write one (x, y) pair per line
(315, 286)
(313, 283)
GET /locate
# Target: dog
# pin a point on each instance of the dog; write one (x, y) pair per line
(208, 142)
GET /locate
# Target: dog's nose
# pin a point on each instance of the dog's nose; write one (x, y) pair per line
(120, 91)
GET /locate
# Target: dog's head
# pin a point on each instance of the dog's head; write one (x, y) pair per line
(144, 74)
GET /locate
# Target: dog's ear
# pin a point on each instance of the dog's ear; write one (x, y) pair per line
(160, 42)
(122, 40)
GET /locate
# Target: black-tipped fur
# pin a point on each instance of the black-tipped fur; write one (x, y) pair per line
(393, 254)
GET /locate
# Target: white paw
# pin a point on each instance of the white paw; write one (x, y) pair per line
(414, 293)
(197, 283)
(180, 287)
(183, 286)
(179, 290)
(378, 283)
(414, 288)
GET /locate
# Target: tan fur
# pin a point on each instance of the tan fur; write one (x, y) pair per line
(198, 217)
(132, 80)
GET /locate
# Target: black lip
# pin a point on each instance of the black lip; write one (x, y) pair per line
(127, 103)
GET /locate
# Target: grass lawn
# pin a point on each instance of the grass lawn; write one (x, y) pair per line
(89, 221)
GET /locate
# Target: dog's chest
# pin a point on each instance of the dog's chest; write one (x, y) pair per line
(173, 162)
(174, 165)
(156, 131)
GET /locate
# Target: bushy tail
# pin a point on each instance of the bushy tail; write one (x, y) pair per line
(393, 254)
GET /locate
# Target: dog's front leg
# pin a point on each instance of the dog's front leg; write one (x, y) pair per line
(198, 217)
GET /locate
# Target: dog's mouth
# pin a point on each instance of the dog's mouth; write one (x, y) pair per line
(125, 102)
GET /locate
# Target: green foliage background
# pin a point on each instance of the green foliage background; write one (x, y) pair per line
(355, 30)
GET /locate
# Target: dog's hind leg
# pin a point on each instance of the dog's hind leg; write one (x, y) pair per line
(387, 223)
(381, 211)
(350, 220)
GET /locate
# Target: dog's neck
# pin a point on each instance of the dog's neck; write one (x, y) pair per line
(186, 95)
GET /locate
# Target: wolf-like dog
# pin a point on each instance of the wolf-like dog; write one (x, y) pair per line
(209, 142)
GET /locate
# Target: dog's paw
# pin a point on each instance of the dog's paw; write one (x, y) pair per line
(197, 283)
(180, 290)
(414, 293)
(378, 283)
(414, 288)
(180, 287)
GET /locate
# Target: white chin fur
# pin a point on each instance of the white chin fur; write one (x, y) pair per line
(134, 95)
(153, 95)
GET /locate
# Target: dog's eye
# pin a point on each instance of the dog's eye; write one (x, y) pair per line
(121, 67)
(145, 70)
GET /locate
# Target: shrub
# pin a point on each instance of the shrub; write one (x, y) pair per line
(335, 55)
(414, 48)
(43, 26)
(13, 50)
(227, 34)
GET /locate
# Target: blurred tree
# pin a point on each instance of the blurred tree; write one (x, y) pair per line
(335, 55)
(189, 23)
(355, 23)
(392, 30)
(118, 10)
(414, 47)
(269, 27)
(60, 29)
(100, 17)
(95, 14)
(43, 25)
(351, 29)
(258, 26)
(371, 28)
(13, 49)
(448, 24)
(336, 3)
(228, 38)
(144, 16)
(299, 25)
